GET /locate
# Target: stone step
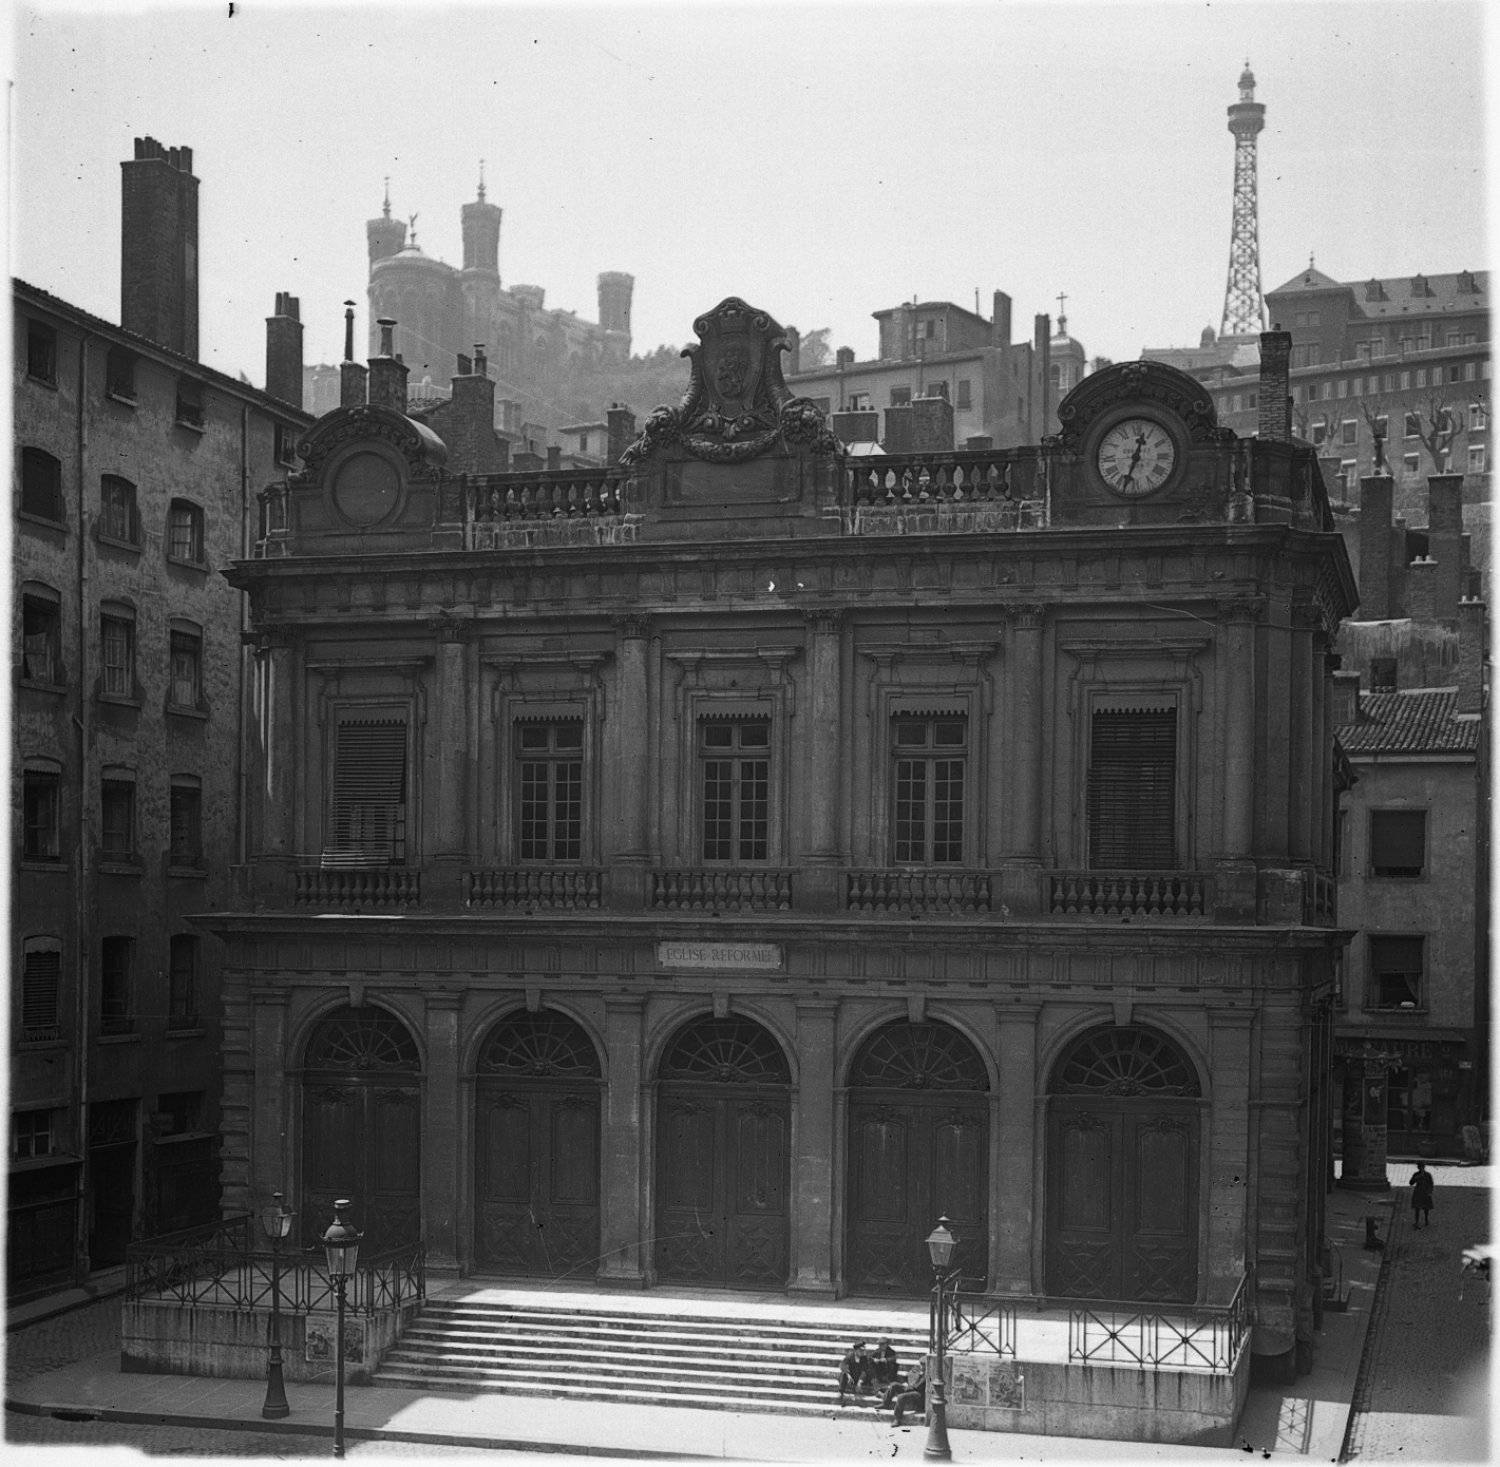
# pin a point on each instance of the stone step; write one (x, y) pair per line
(674, 1358)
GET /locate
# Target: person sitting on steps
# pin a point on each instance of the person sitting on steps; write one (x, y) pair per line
(912, 1396)
(856, 1373)
(886, 1366)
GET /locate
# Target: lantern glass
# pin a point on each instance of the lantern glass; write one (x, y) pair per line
(940, 1244)
(277, 1219)
(341, 1243)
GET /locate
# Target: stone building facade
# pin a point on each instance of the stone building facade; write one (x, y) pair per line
(943, 378)
(707, 869)
(130, 501)
(1411, 1045)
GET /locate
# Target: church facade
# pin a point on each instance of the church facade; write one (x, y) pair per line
(709, 869)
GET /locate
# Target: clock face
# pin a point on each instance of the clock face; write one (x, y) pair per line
(1136, 457)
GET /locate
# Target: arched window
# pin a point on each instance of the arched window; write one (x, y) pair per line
(905, 1056)
(1124, 1062)
(726, 1051)
(541, 1046)
(366, 1038)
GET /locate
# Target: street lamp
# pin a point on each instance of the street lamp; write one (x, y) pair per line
(940, 1244)
(341, 1244)
(277, 1221)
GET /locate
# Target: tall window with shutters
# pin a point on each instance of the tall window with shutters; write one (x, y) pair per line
(549, 806)
(368, 798)
(930, 755)
(1132, 789)
(41, 984)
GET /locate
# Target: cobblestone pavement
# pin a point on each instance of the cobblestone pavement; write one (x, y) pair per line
(34, 1349)
(1423, 1392)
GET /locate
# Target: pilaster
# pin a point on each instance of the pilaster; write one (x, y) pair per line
(622, 1237)
(1015, 1151)
(813, 1166)
(444, 1171)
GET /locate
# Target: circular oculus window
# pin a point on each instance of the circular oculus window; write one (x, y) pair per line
(366, 488)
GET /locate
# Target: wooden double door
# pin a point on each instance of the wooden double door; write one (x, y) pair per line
(537, 1179)
(723, 1176)
(912, 1160)
(1122, 1199)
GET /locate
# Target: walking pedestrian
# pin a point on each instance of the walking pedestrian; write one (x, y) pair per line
(1421, 1185)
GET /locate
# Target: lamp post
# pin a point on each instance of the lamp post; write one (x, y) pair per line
(341, 1244)
(940, 1243)
(277, 1221)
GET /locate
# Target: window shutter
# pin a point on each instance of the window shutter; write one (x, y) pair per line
(369, 793)
(39, 995)
(1132, 799)
(1397, 842)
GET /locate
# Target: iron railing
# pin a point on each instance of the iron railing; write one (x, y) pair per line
(1129, 893)
(223, 1265)
(1201, 1337)
(980, 1325)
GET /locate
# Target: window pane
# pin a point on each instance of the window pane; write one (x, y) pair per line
(948, 810)
(567, 840)
(41, 835)
(718, 808)
(117, 817)
(119, 662)
(185, 840)
(186, 686)
(40, 638)
(368, 815)
(115, 1014)
(755, 783)
(182, 994)
(1397, 842)
(911, 811)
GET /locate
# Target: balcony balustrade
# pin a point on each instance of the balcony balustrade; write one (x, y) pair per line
(945, 493)
(711, 889)
(1128, 893)
(375, 886)
(567, 505)
(929, 893)
(524, 888)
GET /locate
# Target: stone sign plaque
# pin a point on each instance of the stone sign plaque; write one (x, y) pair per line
(742, 955)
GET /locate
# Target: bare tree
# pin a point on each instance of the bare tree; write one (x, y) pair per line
(1377, 412)
(1437, 421)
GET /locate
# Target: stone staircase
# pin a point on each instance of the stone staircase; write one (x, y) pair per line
(711, 1361)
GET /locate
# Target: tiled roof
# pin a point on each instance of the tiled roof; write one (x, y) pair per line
(1440, 292)
(1421, 721)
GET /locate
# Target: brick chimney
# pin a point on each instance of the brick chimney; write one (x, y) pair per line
(284, 350)
(1421, 586)
(1445, 528)
(1000, 319)
(1275, 424)
(468, 421)
(1375, 495)
(856, 427)
(844, 356)
(1471, 655)
(352, 374)
(159, 247)
(388, 371)
(621, 430)
(554, 458)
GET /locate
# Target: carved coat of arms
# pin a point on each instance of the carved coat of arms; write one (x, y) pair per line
(737, 405)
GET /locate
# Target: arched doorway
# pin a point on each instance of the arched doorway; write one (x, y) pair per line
(1122, 1170)
(723, 1171)
(362, 1128)
(537, 1148)
(919, 1144)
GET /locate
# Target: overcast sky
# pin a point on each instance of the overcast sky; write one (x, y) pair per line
(822, 160)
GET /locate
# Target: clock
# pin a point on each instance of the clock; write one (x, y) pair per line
(1136, 457)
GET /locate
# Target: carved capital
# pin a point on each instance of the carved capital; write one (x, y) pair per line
(1026, 616)
(1242, 609)
(450, 629)
(825, 621)
(633, 625)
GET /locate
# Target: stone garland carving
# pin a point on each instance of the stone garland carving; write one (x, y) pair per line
(362, 424)
(737, 405)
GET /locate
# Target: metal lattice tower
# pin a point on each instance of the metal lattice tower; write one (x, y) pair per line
(1244, 310)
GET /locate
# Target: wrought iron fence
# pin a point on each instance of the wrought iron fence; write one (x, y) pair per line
(224, 1266)
(1199, 1338)
(980, 1325)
